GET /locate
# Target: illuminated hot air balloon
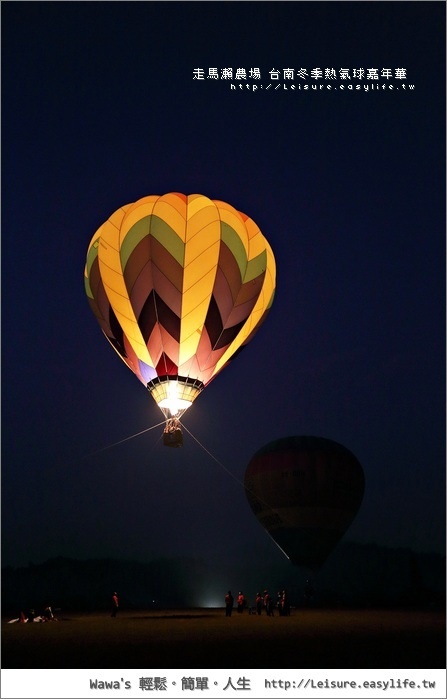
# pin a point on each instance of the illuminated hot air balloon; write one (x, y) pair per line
(305, 491)
(179, 284)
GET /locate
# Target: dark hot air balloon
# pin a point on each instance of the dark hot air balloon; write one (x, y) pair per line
(305, 491)
(179, 285)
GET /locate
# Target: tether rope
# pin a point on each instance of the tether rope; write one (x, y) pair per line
(126, 439)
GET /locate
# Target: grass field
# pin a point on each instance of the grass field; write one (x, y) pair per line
(204, 638)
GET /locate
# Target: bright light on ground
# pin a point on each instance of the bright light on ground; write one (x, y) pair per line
(212, 603)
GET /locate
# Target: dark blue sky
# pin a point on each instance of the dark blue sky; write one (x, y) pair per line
(99, 109)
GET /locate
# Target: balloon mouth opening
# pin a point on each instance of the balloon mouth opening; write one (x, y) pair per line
(173, 405)
(174, 394)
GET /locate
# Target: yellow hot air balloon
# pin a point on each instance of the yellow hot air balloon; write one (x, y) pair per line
(179, 284)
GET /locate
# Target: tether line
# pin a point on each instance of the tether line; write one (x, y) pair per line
(239, 482)
(126, 439)
(212, 456)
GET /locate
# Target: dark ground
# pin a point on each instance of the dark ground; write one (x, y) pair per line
(204, 638)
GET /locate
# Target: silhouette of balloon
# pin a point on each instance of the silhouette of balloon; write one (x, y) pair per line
(179, 285)
(305, 491)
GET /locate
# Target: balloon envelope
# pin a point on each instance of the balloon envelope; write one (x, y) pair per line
(179, 285)
(305, 491)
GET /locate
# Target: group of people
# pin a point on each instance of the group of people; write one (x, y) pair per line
(266, 601)
(229, 603)
(31, 616)
(48, 613)
(262, 601)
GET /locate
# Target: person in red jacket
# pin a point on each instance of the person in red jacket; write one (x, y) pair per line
(268, 603)
(115, 604)
(240, 602)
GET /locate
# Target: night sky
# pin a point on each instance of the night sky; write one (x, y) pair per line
(100, 108)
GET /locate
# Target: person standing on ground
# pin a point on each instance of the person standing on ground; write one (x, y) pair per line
(229, 601)
(240, 602)
(115, 604)
(268, 603)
